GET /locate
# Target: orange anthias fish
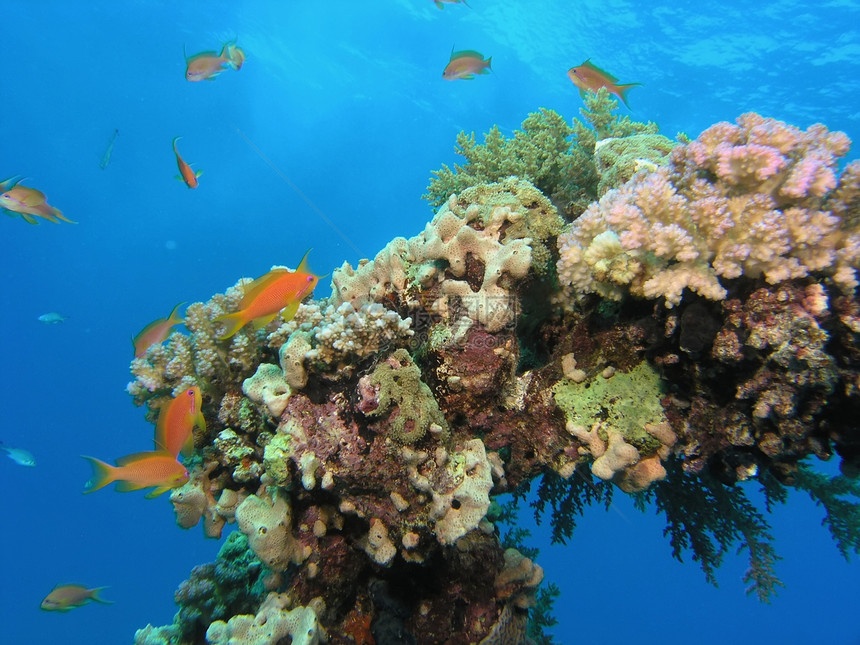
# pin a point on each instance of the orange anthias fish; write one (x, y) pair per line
(156, 469)
(207, 65)
(267, 295)
(465, 64)
(67, 597)
(176, 422)
(588, 77)
(185, 173)
(27, 203)
(155, 332)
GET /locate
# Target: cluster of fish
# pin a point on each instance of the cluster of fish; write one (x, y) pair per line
(159, 469)
(278, 291)
(205, 66)
(28, 203)
(588, 77)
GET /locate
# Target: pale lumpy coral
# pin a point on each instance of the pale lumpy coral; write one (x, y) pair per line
(746, 199)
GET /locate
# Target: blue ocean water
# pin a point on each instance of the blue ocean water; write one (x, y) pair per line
(346, 102)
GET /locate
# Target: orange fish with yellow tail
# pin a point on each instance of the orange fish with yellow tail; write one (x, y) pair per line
(279, 289)
(156, 332)
(177, 420)
(205, 66)
(156, 469)
(186, 174)
(588, 77)
(28, 203)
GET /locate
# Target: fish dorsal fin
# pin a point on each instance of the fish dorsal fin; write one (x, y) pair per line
(467, 53)
(260, 284)
(173, 317)
(140, 456)
(602, 72)
(303, 265)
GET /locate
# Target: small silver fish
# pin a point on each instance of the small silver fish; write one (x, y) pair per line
(52, 318)
(109, 151)
(19, 456)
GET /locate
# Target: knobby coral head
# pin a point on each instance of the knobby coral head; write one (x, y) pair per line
(755, 198)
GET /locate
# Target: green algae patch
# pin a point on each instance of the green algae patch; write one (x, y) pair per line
(625, 402)
(402, 391)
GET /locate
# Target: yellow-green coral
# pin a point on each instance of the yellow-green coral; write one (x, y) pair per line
(619, 158)
(556, 157)
(625, 402)
(399, 382)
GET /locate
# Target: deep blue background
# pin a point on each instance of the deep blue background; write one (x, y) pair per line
(346, 99)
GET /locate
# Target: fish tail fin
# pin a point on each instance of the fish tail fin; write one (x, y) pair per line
(232, 323)
(56, 212)
(235, 56)
(622, 92)
(103, 474)
(174, 317)
(94, 595)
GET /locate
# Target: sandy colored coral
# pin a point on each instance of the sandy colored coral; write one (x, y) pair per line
(459, 511)
(269, 387)
(267, 524)
(273, 623)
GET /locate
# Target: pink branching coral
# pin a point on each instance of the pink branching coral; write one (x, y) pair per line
(756, 198)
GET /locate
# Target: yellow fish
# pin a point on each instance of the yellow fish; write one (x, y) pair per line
(67, 597)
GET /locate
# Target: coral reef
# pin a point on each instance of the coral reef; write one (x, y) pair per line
(361, 445)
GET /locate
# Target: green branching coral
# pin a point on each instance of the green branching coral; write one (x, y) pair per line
(842, 516)
(536, 153)
(568, 499)
(559, 159)
(540, 616)
(707, 517)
